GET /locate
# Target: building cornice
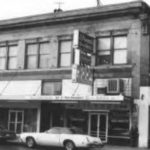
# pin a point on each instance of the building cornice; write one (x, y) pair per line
(131, 8)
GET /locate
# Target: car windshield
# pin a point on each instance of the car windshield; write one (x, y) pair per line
(63, 130)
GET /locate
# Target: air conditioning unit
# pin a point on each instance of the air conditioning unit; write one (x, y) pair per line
(115, 86)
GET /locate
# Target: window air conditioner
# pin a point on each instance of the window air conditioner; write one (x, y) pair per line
(115, 86)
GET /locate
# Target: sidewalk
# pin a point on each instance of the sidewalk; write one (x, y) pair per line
(114, 147)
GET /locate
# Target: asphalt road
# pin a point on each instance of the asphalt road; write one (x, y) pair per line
(8, 146)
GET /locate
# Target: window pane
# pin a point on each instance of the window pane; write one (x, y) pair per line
(31, 62)
(30, 120)
(44, 61)
(103, 59)
(12, 116)
(104, 43)
(19, 127)
(65, 60)
(3, 51)
(120, 56)
(44, 48)
(120, 42)
(65, 46)
(12, 63)
(32, 49)
(19, 118)
(12, 127)
(52, 88)
(104, 53)
(13, 50)
(2, 63)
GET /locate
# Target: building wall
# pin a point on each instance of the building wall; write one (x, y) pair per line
(54, 32)
(102, 83)
(143, 120)
(134, 74)
(75, 89)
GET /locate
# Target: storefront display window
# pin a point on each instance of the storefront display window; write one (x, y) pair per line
(30, 120)
(4, 117)
(78, 119)
(119, 124)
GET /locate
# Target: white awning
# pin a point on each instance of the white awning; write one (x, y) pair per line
(20, 88)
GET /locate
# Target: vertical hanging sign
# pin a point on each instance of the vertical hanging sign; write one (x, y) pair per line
(83, 49)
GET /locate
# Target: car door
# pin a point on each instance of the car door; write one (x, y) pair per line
(49, 138)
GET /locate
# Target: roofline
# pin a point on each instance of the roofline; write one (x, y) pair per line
(135, 7)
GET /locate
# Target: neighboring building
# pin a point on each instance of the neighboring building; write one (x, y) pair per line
(36, 58)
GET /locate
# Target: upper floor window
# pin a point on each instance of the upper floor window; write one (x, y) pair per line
(37, 55)
(8, 57)
(51, 87)
(112, 50)
(65, 49)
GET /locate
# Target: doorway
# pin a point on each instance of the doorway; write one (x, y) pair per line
(98, 125)
(15, 120)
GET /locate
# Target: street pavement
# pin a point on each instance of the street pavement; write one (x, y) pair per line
(12, 146)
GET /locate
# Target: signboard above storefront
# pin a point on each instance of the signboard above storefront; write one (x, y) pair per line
(82, 74)
(96, 98)
(83, 41)
(83, 48)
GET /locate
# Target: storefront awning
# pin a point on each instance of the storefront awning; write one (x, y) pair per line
(20, 88)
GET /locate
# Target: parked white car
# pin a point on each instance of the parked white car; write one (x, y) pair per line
(60, 137)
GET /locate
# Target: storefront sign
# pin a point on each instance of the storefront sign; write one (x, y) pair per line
(82, 74)
(102, 98)
(83, 42)
(83, 48)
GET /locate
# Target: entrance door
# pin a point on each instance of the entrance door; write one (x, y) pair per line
(15, 120)
(98, 125)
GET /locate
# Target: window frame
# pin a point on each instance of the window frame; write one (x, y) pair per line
(52, 81)
(59, 52)
(37, 55)
(112, 48)
(7, 56)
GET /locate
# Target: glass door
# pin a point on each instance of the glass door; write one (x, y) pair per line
(98, 125)
(15, 121)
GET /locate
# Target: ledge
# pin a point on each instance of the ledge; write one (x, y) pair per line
(79, 14)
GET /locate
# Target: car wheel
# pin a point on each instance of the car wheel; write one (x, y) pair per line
(30, 142)
(69, 145)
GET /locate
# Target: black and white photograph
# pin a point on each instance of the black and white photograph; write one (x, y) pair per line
(74, 74)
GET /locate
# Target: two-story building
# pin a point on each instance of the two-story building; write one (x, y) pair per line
(37, 57)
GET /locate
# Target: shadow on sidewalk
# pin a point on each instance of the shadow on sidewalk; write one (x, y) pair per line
(115, 147)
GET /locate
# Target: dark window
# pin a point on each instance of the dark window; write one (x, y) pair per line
(52, 88)
(112, 50)
(101, 90)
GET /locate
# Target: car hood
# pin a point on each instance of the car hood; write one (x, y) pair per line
(92, 139)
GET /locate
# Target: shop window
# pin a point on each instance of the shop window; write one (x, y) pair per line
(51, 88)
(37, 55)
(65, 48)
(119, 124)
(4, 118)
(111, 50)
(30, 120)
(8, 57)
